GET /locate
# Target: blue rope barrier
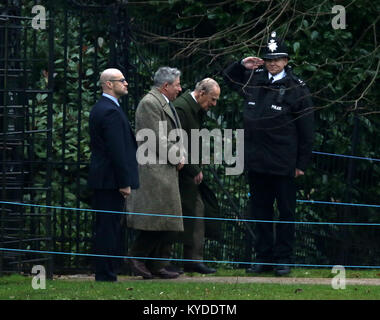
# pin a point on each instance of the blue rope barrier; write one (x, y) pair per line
(187, 260)
(345, 156)
(192, 217)
(340, 203)
(209, 218)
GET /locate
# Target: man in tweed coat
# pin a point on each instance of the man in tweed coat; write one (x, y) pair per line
(159, 193)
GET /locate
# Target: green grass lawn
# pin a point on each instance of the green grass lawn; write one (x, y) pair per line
(18, 287)
(304, 273)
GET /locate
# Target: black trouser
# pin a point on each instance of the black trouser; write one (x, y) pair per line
(153, 244)
(194, 230)
(273, 244)
(109, 234)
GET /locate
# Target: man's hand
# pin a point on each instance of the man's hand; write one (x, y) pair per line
(181, 164)
(299, 173)
(198, 178)
(125, 192)
(252, 63)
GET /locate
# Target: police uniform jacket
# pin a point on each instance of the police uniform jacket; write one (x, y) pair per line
(278, 120)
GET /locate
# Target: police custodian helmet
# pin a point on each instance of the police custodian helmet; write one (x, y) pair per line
(275, 49)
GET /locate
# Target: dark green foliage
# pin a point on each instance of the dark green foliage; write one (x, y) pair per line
(341, 68)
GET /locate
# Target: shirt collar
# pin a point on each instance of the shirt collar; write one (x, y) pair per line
(196, 107)
(165, 97)
(112, 98)
(278, 76)
(192, 94)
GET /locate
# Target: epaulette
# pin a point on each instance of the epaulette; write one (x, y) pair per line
(299, 81)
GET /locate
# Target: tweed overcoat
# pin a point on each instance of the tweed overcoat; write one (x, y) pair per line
(159, 186)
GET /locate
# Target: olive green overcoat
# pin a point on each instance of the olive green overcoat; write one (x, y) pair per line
(192, 117)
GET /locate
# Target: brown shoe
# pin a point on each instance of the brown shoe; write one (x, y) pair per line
(139, 268)
(165, 274)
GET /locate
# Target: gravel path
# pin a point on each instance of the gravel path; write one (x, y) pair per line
(281, 280)
(234, 280)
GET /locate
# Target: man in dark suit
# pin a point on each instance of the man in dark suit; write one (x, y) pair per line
(113, 170)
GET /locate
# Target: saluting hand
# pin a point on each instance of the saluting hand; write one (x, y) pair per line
(252, 63)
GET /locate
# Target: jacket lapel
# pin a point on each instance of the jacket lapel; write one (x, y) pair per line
(169, 112)
(165, 106)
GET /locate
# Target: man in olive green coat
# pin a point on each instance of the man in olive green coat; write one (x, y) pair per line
(158, 195)
(191, 108)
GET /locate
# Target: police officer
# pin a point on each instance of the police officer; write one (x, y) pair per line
(278, 123)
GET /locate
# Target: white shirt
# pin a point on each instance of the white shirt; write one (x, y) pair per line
(166, 98)
(112, 98)
(278, 76)
(192, 94)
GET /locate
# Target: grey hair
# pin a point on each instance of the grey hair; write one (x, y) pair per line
(206, 85)
(165, 74)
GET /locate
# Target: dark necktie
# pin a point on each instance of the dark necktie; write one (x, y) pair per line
(174, 114)
(271, 79)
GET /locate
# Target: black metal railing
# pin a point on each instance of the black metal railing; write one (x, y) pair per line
(48, 84)
(23, 228)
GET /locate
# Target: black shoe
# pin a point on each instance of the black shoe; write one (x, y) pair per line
(173, 268)
(282, 270)
(105, 279)
(198, 267)
(139, 268)
(165, 274)
(259, 268)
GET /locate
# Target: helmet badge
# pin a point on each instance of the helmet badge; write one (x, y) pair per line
(272, 45)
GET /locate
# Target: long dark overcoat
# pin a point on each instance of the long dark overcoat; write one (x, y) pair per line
(192, 117)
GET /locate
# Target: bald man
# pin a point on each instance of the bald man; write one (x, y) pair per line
(113, 170)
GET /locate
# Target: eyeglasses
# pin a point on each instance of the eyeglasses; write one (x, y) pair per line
(120, 80)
